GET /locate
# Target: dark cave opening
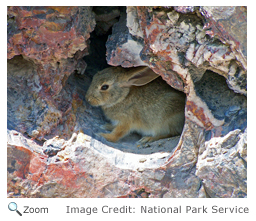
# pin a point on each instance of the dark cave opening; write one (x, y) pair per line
(106, 17)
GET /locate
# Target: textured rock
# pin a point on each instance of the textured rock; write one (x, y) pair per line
(51, 37)
(105, 17)
(54, 40)
(54, 149)
(84, 167)
(224, 157)
(28, 112)
(122, 49)
(230, 25)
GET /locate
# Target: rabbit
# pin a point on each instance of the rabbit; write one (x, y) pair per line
(137, 100)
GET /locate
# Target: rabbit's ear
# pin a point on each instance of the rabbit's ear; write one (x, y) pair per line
(140, 76)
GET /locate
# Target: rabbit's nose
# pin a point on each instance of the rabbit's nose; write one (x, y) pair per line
(90, 100)
(87, 98)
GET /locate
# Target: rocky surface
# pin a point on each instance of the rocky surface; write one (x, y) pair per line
(84, 167)
(224, 157)
(53, 145)
(52, 42)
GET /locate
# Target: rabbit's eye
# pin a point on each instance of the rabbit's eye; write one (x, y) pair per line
(104, 87)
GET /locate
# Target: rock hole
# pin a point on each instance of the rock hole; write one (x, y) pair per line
(91, 118)
(223, 102)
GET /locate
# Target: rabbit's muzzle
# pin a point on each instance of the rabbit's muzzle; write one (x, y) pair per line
(92, 100)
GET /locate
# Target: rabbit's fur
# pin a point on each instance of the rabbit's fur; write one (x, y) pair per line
(137, 99)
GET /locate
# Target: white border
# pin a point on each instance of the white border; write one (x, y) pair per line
(57, 207)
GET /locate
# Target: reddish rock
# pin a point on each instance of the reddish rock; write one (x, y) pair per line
(50, 37)
(47, 34)
(54, 41)
(74, 171)
(229, 24)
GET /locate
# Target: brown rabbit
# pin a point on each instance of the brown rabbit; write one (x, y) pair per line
(135, 99)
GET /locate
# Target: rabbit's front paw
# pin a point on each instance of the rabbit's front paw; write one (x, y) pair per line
(146, 140)
(109, 137)
(108, 127)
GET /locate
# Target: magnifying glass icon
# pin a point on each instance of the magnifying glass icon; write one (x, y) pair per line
(13, 207)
